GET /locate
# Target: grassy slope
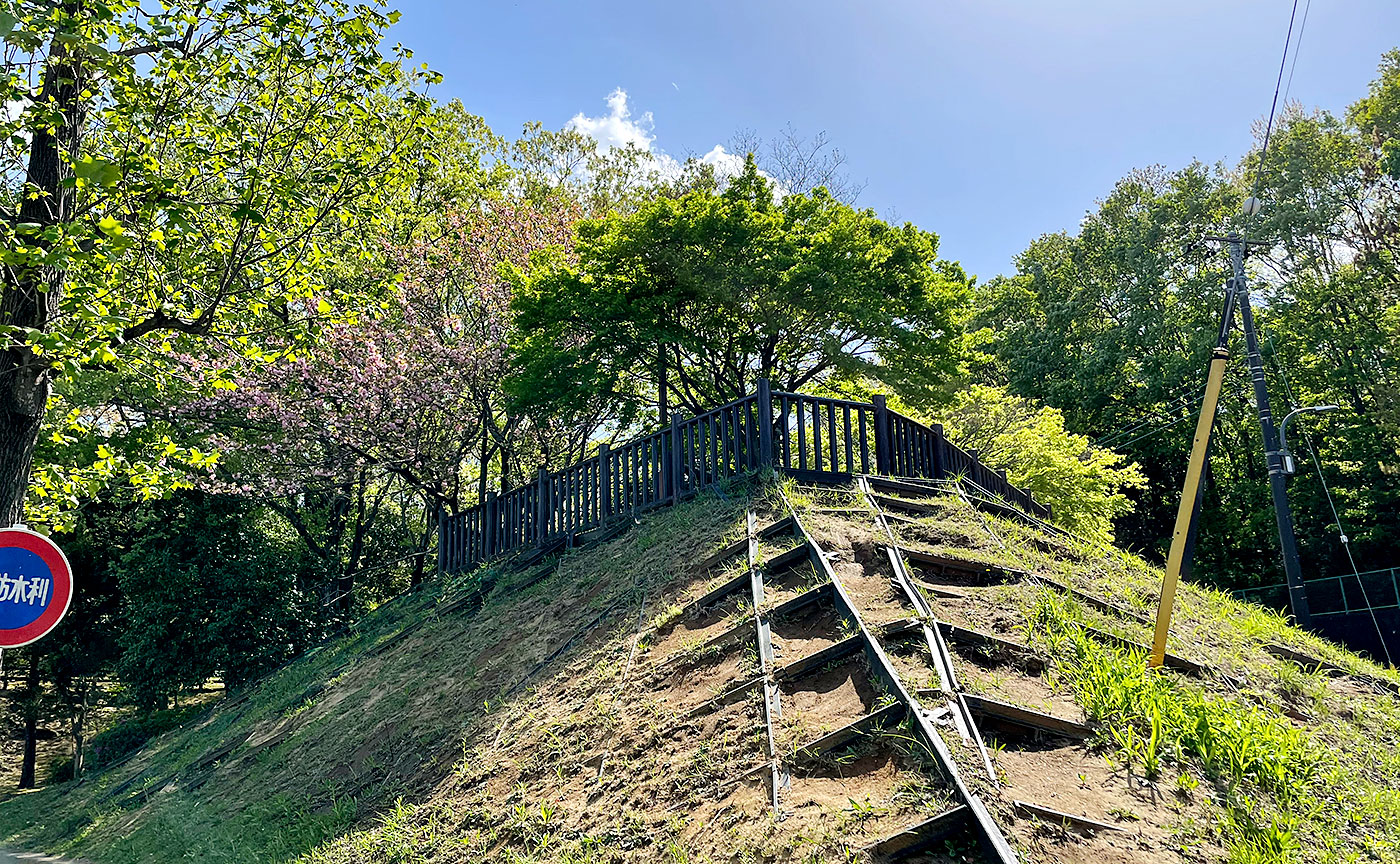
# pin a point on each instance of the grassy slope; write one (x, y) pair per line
(430, 733)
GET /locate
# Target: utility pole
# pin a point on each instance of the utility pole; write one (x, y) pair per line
(1273, 455)
(1184, 536)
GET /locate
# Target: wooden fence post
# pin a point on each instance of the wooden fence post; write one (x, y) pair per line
(673, 459)
(442, 541)
(765, 424)
(490, 527)
(543, 506)
(605, 482)
(882, 435)
(940, 470)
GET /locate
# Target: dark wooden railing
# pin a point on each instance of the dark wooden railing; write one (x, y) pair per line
(809, 437)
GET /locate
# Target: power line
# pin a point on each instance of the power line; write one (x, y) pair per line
(1154, 413)
(1161, 428)
(1161, 414)
(1278, 85)
(1297, 46)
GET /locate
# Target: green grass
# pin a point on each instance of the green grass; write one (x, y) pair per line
(1276, 785)
(392, 738)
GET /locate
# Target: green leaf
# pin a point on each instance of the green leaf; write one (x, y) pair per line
(97, 171)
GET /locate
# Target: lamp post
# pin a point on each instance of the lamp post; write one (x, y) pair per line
(1288, 465)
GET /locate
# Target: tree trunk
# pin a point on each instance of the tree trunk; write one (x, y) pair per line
(31, 724)
(32, 291)
(429, 526)
(482, 480)
(79, 718)
(357, 546)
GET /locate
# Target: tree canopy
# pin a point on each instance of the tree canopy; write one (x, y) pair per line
(691, 299)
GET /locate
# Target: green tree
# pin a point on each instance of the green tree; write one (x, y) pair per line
(1085, 485)
(690, 299)
(176, 176)
(1113, 326)
(208, 589)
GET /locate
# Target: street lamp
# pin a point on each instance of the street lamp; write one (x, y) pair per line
(1288, 466)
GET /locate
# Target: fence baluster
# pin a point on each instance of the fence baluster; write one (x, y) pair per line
(850, 461)
(801, 434)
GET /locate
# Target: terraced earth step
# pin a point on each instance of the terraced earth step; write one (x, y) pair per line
(801, 666)
(1307, 661)
(850, 732)
(740, 546)
(1026, 718)
(1028, 810)
(1094, 600)
(1171, 661)
(949, 565)
(916, 838)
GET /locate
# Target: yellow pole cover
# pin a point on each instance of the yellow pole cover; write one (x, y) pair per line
(1186, 510)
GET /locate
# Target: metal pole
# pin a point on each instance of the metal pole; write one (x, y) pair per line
(1297, 592)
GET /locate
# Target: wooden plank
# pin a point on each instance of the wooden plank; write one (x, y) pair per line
(918, 837)
(864, 444)
(782, 526)
(712, 597)
(969, 636)
(974, 569)
(850, 444)
(1026, 718)
(939, 590)
(728, 697)
(817, 659)
(1082, 823)
(801, 436)
(787, 433)
(1097, 602)
(727, 552)
(788, 558)
(1172, 661)
(806, 598)
(851, 731)
(831, 428)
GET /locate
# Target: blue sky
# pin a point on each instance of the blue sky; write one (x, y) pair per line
(988, 122)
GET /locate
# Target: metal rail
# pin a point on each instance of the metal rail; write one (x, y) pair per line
(989, 832)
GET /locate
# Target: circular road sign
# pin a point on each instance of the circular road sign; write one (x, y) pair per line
(36, 586)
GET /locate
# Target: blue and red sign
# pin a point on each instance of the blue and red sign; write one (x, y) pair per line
(36, 586)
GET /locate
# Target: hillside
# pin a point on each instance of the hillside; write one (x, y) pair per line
(620, 704)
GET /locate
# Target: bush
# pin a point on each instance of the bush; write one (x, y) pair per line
(1085, 485)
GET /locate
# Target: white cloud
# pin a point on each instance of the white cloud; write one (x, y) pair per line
(727, 165)
(619, 128)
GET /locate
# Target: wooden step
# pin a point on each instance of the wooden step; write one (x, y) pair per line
(918, 837)
(817, 659)
(851, 731)
(1026, 718)
(1025, 809)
